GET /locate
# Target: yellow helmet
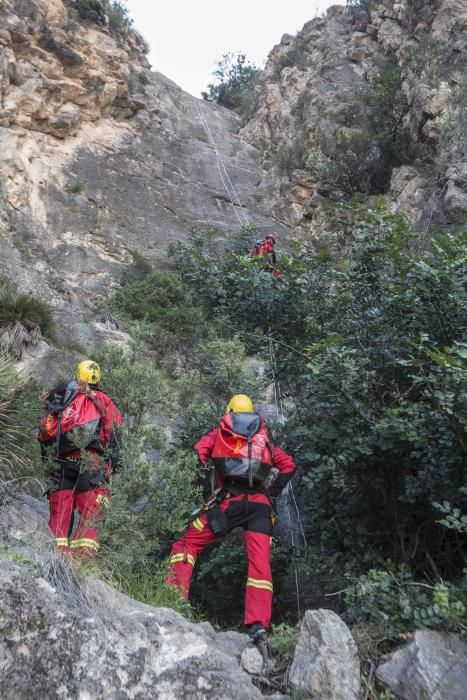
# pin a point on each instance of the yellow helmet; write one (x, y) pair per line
(240, 403)
(88, 371)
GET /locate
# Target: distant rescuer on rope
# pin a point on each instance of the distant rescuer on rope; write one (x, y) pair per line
(265, 248)
(249, 469)
(79, 418)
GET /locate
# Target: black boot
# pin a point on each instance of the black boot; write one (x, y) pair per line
(257, 633)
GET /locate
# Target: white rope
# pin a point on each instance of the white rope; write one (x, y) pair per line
(292, 538)
(299, 517)
(223, 173)
(235, 201)
(220, 162)
(289, 489)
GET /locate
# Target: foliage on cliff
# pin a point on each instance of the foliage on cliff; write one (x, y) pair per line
(371, 359)
(235, 84)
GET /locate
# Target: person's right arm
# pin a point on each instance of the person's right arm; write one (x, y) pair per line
(204, 446)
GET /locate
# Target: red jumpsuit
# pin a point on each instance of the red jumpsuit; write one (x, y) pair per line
(253, 512)
(86, 491)
(266, 250)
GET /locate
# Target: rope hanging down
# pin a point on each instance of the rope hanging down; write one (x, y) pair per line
(289, 491)
(223, 173)
(235, 201)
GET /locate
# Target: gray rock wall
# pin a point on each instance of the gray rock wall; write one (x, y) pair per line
(309, 91)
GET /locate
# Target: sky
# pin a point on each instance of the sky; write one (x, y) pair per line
(188, 37)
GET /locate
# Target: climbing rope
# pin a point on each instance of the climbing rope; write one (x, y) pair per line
(238, 207)
(223, 172)
(289, 491)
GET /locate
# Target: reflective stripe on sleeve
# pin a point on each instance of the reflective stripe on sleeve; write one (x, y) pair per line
(198, 524)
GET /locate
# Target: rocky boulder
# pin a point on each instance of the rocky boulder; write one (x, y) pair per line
(91, 641)
(325, 664)
(83, 639)
(433, 665)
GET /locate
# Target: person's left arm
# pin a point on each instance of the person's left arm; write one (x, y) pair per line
(111, 418)
(286, 467)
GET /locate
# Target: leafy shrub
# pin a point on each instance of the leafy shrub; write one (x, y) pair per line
(453, 131)
(19, 409)
(77, 186)
(96, 10)
(293, 156)
(424, 63)
(400, 604)
(362, 159)
(295, 57)
(170, 317)
(235, 86)
(23, 319)
(283, 640)
(89, 9)
(369, 354)
(119, 19)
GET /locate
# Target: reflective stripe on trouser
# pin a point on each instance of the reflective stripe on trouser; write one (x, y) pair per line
(251, 512)
(91, 506)
(258, 593)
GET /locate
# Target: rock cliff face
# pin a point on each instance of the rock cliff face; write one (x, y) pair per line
(102, 158)
(310, 102)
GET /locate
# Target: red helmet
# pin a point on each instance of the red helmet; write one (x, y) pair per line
(272, 237)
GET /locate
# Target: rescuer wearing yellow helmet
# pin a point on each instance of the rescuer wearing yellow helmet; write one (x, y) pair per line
(79, 443)
(249, 469)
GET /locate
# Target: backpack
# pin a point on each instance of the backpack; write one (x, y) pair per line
(257, 247)
(242, 448)
(71, 406)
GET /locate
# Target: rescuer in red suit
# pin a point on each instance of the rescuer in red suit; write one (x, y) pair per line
(249, 469)
(265, 249)
(77, 482)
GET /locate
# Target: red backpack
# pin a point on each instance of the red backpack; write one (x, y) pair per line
(71, 407)
(242, 449)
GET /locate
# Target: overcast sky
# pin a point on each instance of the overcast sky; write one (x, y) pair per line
(187, 38)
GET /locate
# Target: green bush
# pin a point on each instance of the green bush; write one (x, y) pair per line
(77, 186)
(369, 355)
(293, 156)
(25, 308)
(295, 57)
(19, 413)
(166, 308)
(236, 82)
(362, 159)
(424, 63)
(96, 10)
(399, 604)
(89, 9)
(453, 131)
(23, 319)
(283, 640)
